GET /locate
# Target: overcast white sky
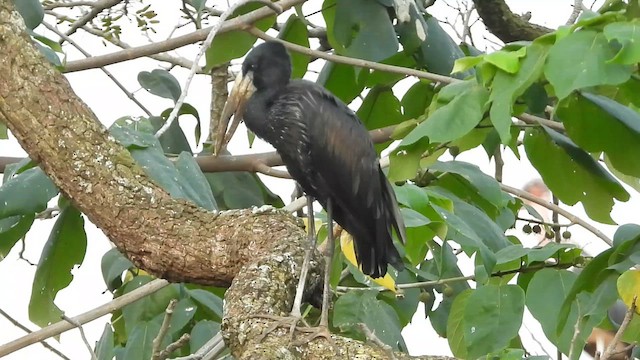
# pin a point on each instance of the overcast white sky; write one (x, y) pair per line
(87, 289)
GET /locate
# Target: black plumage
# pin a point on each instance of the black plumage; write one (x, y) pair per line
(328, 151)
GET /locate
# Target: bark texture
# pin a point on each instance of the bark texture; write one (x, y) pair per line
(506, 25)
(170, 238)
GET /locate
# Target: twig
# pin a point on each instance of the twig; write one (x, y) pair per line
(27, 330)
(569, 216)
(105, 71)
(209, 350)
(577, 9)
(62, 326)
(371, 336)
(48, 213)
(182, 341)
(611, 349)
(207, 43)
(67, 4)
(97, 8)
(426, 284)
(82, 335)
(164, 328)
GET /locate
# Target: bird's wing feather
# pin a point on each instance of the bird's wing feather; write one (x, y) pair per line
(347, 169)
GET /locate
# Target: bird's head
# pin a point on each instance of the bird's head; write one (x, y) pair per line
(267, 66)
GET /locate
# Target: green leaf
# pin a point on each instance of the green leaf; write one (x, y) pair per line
(148, 308)
(453, 120)
(64, 249)
(195, 181)
(507, 87)
(182, 180)
(439, 51)
(592, 276)
(26, 193)
(113, 265)
(632, 181)
(362, 307)
(340, 80)
(360, 29)
(31, 11)
(175, 142)
(380, 108)
(597, 123)
(236, 43)
(456, 325)
(492, 318)
(627, 34)
(568, 72)
(551, 286)
(207, 301)
(13, 229)
(182, 314)
(379, 77)
(202, 332)
(405, 160)
(140, 342)
(240, 190)
(4, 135)
(508, 61)
(416, 100)
(546, 252)
(558, 159)
(161, 83)
(486, 186)
(295, 31)
(104, 346)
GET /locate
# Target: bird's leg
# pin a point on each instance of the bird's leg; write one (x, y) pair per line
(323, 329)
(296, 315)
(297, 302)
(326, 288)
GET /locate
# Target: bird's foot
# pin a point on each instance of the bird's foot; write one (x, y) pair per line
(290, 322)
(316, 332)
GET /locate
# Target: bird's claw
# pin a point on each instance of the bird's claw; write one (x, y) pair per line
(290, 321)
(320, 331)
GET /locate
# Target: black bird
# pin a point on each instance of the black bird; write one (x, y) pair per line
(326, 149)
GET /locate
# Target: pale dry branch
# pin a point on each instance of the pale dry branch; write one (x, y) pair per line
(82, 335)
(63, 325)
(611, 349)
(47, 346)
(164, 328)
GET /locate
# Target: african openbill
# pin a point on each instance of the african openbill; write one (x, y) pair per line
(328, 151)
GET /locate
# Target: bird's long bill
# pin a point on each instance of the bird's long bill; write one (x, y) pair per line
(242, 90)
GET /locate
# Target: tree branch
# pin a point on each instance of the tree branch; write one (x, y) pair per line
(63, 325)
(569, 216)
(146, 50)
(506, 25)
(96, 8)
(17, 324)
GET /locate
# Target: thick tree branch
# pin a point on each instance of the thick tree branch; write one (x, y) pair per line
(506, 25)
(170, 238)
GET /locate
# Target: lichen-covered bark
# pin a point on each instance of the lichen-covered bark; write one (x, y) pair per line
(260, 289)
(504, 24)
(170, 238)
